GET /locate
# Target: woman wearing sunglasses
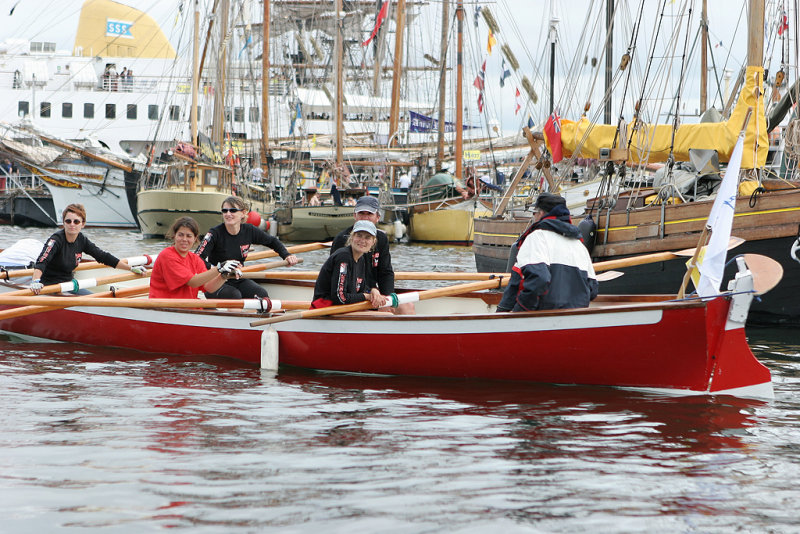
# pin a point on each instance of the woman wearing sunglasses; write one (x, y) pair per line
(64, 249)
(232, 240)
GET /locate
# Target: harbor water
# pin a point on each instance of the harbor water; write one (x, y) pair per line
(122, 441)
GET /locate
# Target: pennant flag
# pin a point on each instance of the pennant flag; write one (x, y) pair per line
(246, 44)
(517, 103)
(297, 115)
(479, 79)
(477, 13)
(783, 24)
(480, 102)
(491, 42)
(13, 8)
(378, 21)
(718, 44)
(505, 74)
(530, 122)
(552, 129)
(721, 220)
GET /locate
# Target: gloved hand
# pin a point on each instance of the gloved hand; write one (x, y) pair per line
(229, 269)
(36, 286)
(138, 269)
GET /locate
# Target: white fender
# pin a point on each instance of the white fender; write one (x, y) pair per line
(269, 349)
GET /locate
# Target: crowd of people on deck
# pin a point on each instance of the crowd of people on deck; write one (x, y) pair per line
(552, 268)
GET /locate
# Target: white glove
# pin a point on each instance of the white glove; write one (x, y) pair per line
(36, 286)
(229, 268)
(138, 269)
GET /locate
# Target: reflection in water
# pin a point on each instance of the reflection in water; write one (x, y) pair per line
(172, 442)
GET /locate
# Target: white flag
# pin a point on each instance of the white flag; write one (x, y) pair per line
(721, 221)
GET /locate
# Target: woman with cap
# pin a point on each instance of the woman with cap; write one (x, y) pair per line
(231, 240)
(343, 277)
(553, 269)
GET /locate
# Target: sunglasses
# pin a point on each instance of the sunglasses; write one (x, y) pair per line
(72, 221)
(230, 210)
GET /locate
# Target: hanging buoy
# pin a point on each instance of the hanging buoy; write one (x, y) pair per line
(253, 218)
(272, 227)
(399, 230)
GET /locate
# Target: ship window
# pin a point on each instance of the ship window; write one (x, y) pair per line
(238, 114)
(23, 108)
(152, 112)
(131, 111)
(255, 115)
(111, 111)
(44, 109)
(88, 111)
(66, 110)
(174, 113)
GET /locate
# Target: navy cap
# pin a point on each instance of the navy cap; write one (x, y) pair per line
(367, 203)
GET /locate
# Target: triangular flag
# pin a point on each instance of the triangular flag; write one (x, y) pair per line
(491, 42)
(505, 74)
(378, 21)
(479, 79)
(517, 104)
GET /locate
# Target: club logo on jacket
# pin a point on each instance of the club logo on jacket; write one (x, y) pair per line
(375, 257)
(78, 256)
(244, 249)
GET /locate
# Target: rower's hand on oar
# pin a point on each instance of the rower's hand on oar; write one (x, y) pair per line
(36, 286)
(139, 269)
(230, 269)
(292, 260)
(376, 299)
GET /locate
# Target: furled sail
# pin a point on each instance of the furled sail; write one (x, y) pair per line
(651, 143)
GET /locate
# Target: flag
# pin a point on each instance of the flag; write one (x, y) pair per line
(378, 21)
(13, 8)
(479, 79)
(477, 12)
(517, 103)
(505, 74)
(297, 115)
(480, 102)
(783, 24)
(247, 43)
(491, 42)
(718, 44)
(721, 220)
(552, 130)
(530, 122)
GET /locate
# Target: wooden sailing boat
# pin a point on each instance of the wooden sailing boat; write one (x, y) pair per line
(631, 223)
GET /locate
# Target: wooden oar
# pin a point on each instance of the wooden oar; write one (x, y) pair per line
(89, 300)
(448, 291)
(249, 271)
(655, 257)
(149, 259)
(31, 310)
(398, 275)
(80, 284)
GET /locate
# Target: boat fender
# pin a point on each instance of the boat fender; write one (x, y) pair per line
(269, 349)
(398, 230)
(255, 219)
(795, 248)
(588, 230)
(272, 228)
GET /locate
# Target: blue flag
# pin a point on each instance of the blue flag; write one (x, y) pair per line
(505, 74)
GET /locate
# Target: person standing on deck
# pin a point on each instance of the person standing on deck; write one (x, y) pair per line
(553, 268)
(379, 267)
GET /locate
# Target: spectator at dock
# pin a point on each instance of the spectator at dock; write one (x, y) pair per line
(64, 249)
(179, 273)
(553, 269)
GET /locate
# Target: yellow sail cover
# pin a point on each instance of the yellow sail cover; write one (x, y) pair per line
(651, 143)
(109, 28)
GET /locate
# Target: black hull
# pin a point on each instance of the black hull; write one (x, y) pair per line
(779, 307)
(22, 211)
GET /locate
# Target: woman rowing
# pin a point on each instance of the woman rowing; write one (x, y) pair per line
(343, 277)
(179, 273)
(232, 240)
(64, 249)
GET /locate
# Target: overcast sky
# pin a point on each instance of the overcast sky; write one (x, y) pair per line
(523, 26)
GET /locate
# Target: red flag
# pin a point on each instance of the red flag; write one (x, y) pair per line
(552, 129)
(517, 104)
(480, 102)
(783, 25)
(378, 21)
(480, 77)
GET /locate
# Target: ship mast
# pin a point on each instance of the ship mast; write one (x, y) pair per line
(442, 85)
(265, 88)
(459, 150)
(339, 89)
